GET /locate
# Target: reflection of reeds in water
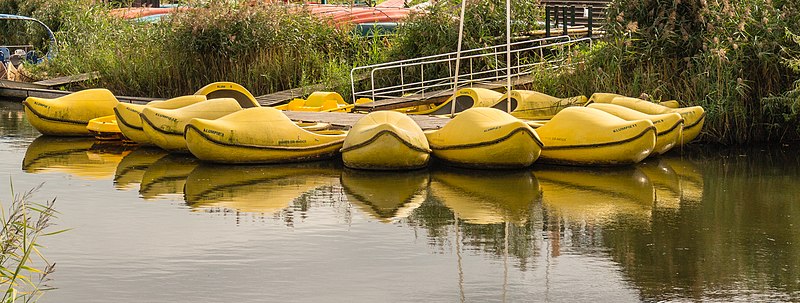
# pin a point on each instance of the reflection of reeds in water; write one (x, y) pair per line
(255, 189)
(385, 195)
(596, 195)
(166, 176)
(487, 197)
(132, 167)
(83, 158)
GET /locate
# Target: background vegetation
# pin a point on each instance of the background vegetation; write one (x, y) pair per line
(733, 57)
(736, 58)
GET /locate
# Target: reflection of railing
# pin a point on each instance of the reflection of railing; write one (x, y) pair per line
(481, 65)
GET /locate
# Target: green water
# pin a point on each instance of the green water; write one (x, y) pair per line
(706, 224)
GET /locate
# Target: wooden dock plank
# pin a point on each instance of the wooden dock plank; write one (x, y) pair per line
(347, 120)
(68, 79)
(15, 84)
(22, 93)
(287, 95)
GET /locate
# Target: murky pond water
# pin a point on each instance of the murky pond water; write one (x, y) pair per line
(707, 224)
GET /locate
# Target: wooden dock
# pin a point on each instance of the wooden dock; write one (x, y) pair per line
(347, 120)
(20, 92)
(287, 95)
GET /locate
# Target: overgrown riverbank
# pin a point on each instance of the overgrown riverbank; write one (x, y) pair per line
(736, 58)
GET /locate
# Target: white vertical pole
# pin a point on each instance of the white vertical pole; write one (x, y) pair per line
(458, 57)
(508, 54)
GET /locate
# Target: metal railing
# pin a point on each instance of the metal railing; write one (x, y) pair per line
(481, 65)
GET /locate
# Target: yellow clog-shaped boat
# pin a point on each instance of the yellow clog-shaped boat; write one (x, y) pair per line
(603, 97)
(165, 127)
(386, 196)
(219, 90)
(69, 115)
(694, 117)
(255, 189)
(486, 138)
(464, 99)
(532, 105)
(588, 136)
(485, 197)
(385, 140)
(669, 127)
(129, 120)
(259, 135)
(318, 102)
(105, 128)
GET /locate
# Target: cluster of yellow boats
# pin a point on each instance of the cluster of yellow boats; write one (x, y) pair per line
(224, 123)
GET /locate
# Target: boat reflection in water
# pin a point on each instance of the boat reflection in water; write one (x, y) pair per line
(83, 158)
(690, 178)
(596, 195)
(383, 195)
(131, 169)
(486, 197)
(167, 176)
(256, 189)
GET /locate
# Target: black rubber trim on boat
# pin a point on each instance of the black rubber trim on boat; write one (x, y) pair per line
(495, 141)
(381, 133)
(671, 128)
(43, 117)
(650, 128)
(126, 123)
(315, 147)
(144, 118)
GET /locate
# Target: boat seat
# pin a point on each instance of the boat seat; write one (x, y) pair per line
(32, 58)
(5, 54)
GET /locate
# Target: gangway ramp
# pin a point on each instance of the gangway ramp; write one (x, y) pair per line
(432, 79)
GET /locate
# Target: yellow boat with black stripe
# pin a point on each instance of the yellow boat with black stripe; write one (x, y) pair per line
(318, 102)
(694, 117)
(588, 136)
(385, 140)
(259, 135)
(533, 105)
(129, 120)
(464, 99)
(165, 127)
(105, 128)
(485, 138)
(669, 127)
(69, 115)
(233, 90)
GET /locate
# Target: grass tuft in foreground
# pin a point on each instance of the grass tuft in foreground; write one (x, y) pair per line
(24, 270)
